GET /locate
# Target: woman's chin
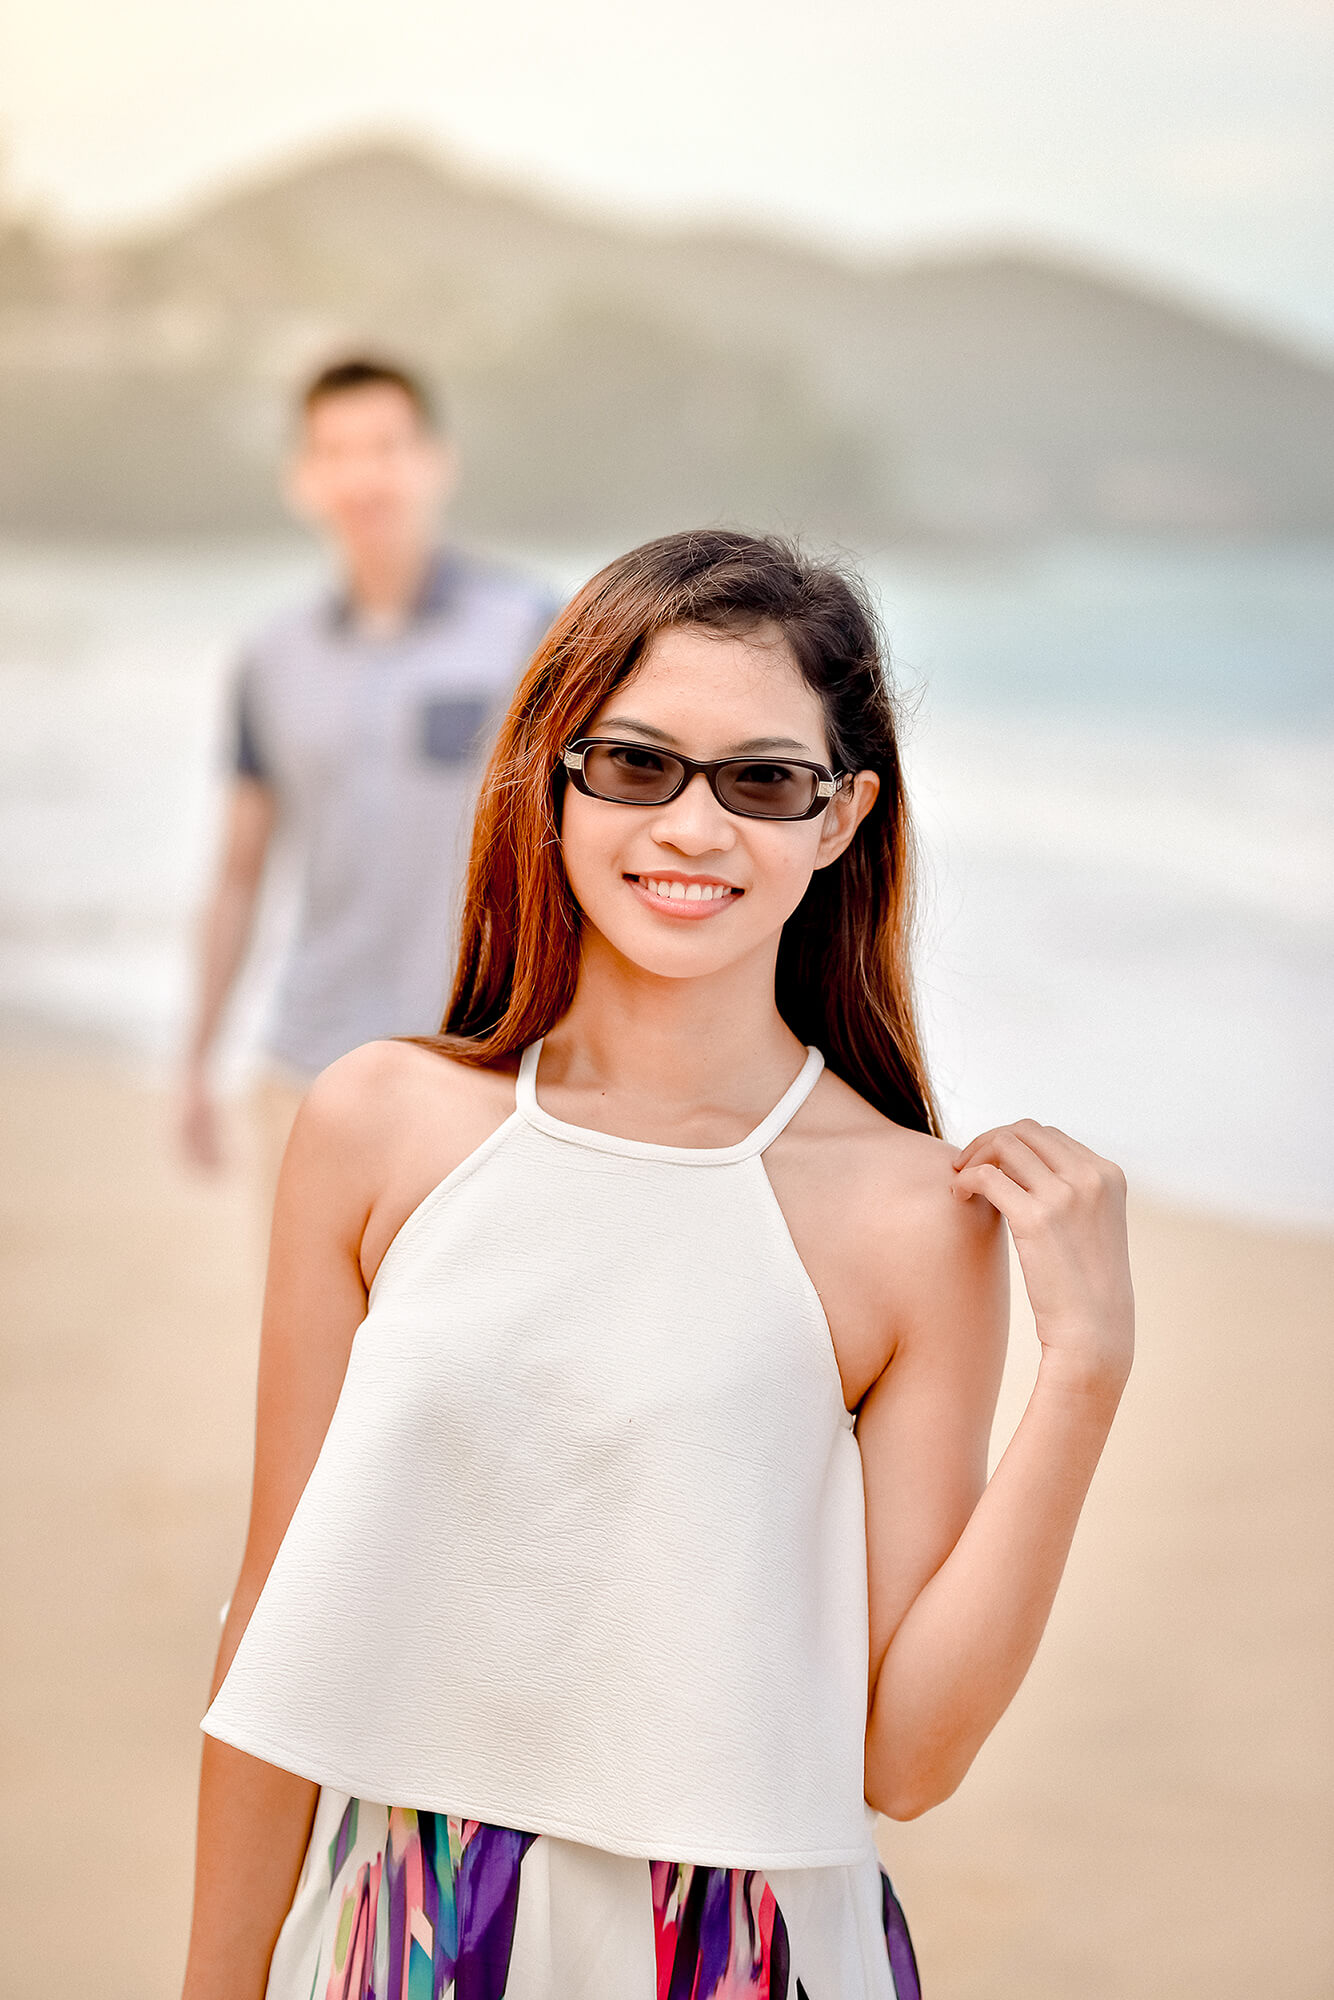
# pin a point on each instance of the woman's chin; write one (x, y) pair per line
(689, 951)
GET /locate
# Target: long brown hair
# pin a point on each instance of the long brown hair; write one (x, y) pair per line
(842, 979)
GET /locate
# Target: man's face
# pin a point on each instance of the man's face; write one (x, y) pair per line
(368, 471)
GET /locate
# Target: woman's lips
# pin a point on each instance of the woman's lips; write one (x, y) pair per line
(684, 896)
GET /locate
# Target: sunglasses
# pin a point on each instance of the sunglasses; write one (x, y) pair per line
(635, 774)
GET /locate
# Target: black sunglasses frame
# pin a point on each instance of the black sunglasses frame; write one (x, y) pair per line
(828, 783)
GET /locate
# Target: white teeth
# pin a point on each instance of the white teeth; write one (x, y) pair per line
(686, 892)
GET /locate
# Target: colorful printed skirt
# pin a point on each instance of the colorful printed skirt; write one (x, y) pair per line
(394, 1904)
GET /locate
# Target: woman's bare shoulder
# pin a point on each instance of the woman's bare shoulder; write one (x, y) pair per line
(387, 1122)
(897, 1259)
(373, 1087)
(868, 1152)
(885, 1195)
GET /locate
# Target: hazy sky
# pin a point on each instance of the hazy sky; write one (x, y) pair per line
(1191, 139)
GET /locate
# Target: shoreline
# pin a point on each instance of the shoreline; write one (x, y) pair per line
(1150, 1818)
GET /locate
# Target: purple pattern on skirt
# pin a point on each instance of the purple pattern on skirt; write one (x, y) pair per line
(902, 1958)
(427, 1910)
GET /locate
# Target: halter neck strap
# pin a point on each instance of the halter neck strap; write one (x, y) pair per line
(764, 1134)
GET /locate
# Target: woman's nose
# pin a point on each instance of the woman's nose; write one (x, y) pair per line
(694, 821)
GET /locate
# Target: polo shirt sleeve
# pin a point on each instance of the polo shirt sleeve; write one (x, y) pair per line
(247, 759)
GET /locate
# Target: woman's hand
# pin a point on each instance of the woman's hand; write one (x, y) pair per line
(1066, 1208)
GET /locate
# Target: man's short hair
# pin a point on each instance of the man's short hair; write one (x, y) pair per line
(369, 371)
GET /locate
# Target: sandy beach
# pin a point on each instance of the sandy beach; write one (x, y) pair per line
(1153, 1820)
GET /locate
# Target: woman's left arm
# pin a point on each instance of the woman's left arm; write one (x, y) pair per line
(953, 1638)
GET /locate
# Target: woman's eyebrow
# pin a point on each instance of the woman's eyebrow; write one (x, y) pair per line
(751, 745)
(644, 728)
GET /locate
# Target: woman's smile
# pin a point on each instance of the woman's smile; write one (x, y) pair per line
(668, 893)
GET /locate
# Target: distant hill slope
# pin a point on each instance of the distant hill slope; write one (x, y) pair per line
(608, 381)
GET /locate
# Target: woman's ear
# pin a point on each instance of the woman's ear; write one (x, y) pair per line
(844, 814)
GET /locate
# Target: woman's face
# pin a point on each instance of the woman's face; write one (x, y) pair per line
(708, 695)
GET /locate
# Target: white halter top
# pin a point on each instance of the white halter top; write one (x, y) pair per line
(584, 1550)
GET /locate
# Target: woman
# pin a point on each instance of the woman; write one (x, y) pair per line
(639, 1548)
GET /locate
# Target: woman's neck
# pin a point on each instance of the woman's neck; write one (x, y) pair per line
(666, 1043)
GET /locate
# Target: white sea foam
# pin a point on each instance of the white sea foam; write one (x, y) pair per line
(1109, 945)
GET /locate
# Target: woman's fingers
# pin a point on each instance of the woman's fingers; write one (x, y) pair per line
(1066, 1209)
(1064, 1155)
(1078, 1165)
(1006, 1147)
(1014, 1202)
(977, 1148)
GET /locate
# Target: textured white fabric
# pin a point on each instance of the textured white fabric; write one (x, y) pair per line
(584, 1550)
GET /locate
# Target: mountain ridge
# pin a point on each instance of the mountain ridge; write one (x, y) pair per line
(608, 379)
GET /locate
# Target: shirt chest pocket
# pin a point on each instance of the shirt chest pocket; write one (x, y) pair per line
(451, 728)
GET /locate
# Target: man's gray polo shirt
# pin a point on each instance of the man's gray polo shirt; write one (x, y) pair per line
(373, 747)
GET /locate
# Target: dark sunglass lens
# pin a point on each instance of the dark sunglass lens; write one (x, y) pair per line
(631, 773)
(767, 791)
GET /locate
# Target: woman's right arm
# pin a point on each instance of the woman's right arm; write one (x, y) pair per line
(254, 1820)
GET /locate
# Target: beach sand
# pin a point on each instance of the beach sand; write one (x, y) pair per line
(1153, 1820)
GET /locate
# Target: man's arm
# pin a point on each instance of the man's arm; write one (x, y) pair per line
(224, 934)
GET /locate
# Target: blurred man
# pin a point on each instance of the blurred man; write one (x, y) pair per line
(357, 726)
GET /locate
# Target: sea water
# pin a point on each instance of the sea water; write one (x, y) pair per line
(1122, 763)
